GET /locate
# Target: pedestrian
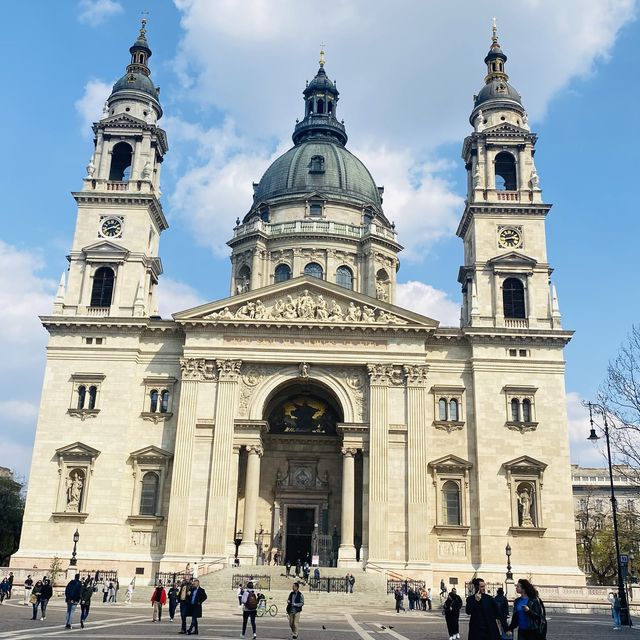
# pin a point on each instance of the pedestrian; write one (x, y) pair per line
(158, 600)
(183, 601)
(451, 610)
(295, 602)
(399, 597)
(276, 558)
(483, 612)
(128, 598)
(239, 594)
(196, 596)
(85, 600)
(105, 590)
(352, 581)
(443, 589)
(503, 607)
(249, 609)
(10, 585)
(45, 595)
(316, 573)
(72, 595)
(4, 589)
(306, 570)
(529, 615)
(287, 566)
(411, 597)
(34, 599)
(298, 568)
(423, 599)
(429, 599)
(116, 588)
(28, 585)
(614, 601)
(173, 594)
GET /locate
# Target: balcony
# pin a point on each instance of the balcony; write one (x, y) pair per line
(98, 312)
(320, 227)
(510, 196)
(516, 323)
(117, 185)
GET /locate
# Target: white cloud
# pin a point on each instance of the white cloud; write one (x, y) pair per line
(174, 296)
(89, 106)
(18, 411)
(583, 452)
(95, 12)
(425, 299)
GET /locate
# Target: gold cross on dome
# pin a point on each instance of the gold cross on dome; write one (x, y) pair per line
(322, 55)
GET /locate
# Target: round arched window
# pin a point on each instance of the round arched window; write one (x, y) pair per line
(314, 269)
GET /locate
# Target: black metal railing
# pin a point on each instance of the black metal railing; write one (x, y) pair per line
(261, 583)
(169, 577)
(100, 575)
(328, 585)
(404, 585)
(491, 588)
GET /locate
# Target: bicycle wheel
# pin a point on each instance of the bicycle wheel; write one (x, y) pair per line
(273, 610)
(260, 612)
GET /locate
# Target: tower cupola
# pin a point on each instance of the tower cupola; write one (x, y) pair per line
(136, 83)
(321, 100)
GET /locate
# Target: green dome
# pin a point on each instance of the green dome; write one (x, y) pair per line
(135, 81)
(338, 175)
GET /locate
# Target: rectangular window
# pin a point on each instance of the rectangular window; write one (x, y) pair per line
(88, 340)
(315, 210)
(513, 353)
(99, 340)
(523, 353)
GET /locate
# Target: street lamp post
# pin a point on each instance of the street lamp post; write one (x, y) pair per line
(73, 562)
(237, 541)
(625, 618)
(509, 575)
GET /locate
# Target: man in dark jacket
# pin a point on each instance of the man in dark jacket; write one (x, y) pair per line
(85, 600)
(72, 596)
(483, 612)
(197, 595)
(503, 607)
(45, 595)
(183, 601)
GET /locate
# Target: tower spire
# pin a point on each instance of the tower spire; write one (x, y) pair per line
(322, 55)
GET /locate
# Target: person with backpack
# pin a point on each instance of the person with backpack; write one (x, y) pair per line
(529, 615)
(451, 610)
(249, 608)
(85, 600)
(398, 594)
(45, 595)
(295, 602)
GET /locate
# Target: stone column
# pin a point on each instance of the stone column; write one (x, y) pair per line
(251, 491)
(221, 457)
(347, 550)
(364, 553)
(232, 524)
(417, 455)
(194, 370)
(380, 376)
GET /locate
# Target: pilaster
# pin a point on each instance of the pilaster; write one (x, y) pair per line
(252, 487)
(417, 456)
(347, 550)
(221, 457)
(194, 371)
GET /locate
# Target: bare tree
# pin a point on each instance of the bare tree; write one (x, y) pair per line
(620, 396)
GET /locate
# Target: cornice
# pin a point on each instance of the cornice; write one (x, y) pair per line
(125, 198)
(131, 323)
(500, 335)
(494, 209)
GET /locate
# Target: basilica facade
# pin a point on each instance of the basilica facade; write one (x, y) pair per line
(306, 413)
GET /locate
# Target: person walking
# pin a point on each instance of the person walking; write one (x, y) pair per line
(28, 585)
(443, 589)
(483, 612)
(614, 601)
(287, 567)
(4, 589)
(451, 609)
(298, 568)
(34, 599)
(173, 594)
(429, 599)
(529, 615)
(112, 592)
(158, 600)
(411, 597)
(398, 594)
(197, 595)
(128, 598)
(45, 595)
(105, 590)
(295, 602)
(10, 585)
(85, 600)
(183, 601)
(423, 599)
(352, 582)
(249, 609)
(72, 594)
(503, 608)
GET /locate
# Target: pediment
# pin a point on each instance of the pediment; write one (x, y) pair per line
(513, 258)
(150, 453)
(524, 463)
(77, 450)
(122, 119)
(450, 462)
(507, 128)
(306, 300)
(104, 247)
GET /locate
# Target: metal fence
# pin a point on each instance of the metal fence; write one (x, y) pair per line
(100, 575)
(328, 585)
(167, 577)
(491, 589)
(404, 585)
(261, 583)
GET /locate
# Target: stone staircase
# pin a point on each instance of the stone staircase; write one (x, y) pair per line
(369, 588)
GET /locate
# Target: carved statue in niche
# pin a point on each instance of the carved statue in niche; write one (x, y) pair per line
(303, 370)
(73, 485)
(525, 504)
(322, 312)
(354, 314)
(306, 305)
(290, 311)
(381, 291)
(336, 312)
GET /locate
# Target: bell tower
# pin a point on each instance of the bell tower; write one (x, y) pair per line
(505, 276)
(113, 262)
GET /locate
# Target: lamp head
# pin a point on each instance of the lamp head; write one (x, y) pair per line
(507, 550)
(593, 436)
(76, 536)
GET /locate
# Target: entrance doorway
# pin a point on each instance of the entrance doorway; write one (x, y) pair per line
(300, 523)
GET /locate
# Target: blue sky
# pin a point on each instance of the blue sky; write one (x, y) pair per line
(231, 76)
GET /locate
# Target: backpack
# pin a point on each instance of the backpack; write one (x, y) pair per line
(252, 601)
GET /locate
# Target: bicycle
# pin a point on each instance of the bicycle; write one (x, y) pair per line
(263, 608)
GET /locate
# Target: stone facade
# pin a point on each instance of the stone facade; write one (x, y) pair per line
(305, 414)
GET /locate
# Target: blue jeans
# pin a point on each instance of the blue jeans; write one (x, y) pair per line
(71, 607)
(184, 607)
(616, 617)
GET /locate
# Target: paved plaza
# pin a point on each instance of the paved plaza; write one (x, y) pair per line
(222, 621)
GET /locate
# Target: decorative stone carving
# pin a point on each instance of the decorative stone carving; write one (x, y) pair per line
(479, 121)
(197, 369)
(381, 291)
(302, 475)
(91, 168)
(303, 370)
(452, 548)
(476, 177)
(73, 485)
(385, 374)
(146, 170)
(415, 374)
(255, 449)
(309, 308)
(534, 180)
(228, 370)
(448, 426)
(525, 502)
(349, 452)
(248, 383)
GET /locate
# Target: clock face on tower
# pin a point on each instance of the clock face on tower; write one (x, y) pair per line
(509, 237)
(111, 227)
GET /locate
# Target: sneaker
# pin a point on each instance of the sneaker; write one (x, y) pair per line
(82, 624)
(255, 636)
